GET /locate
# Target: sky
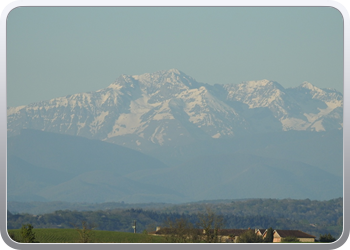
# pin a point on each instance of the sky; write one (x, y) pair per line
(57, 51)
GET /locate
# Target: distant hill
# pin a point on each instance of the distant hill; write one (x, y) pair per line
(49, 166)
(45, 166)
(320, 149)
(236, 175)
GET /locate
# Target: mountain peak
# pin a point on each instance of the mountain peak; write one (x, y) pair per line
(307, 85)
(258, 84)
(315, 90)
(263, 82)
(175, 71)
(171, 73)
(161, 73)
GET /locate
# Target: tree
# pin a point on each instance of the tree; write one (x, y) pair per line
(269, 235)
(27, 234)
(211, 224)
(85, 233)
(250, 237)
(327, 238)
(181, 231)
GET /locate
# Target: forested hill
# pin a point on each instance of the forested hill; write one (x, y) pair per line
(314, 217)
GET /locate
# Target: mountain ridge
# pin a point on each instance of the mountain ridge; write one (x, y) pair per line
(158, 108)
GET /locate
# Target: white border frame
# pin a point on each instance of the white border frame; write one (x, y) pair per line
(116, 3)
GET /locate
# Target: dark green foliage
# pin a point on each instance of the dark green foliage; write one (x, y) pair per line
(27, 234)
(250, 237)
(269, 235)
(327, 238)
(39, 207)
(290, 239)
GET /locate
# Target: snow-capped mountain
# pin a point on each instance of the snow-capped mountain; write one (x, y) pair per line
(171, 108)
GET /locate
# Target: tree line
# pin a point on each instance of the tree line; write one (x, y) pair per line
(148, 220)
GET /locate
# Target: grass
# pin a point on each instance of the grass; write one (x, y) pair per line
(53, 235)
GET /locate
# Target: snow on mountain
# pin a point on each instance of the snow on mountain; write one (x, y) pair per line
(255, 93)
(318, 106)
(168, 107)
(262, 93)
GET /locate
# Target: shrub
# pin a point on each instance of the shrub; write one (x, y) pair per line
(327, 238)
(290, 239)
(250, 237)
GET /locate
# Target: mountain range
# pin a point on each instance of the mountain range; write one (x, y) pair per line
(164, 137)
(171, 108)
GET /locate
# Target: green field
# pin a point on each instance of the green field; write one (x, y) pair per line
(44, 235)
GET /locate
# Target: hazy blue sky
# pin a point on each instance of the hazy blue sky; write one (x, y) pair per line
(56, 51)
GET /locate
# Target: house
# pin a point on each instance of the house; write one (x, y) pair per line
(232, 235)
(261, 232)
(278, 235)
